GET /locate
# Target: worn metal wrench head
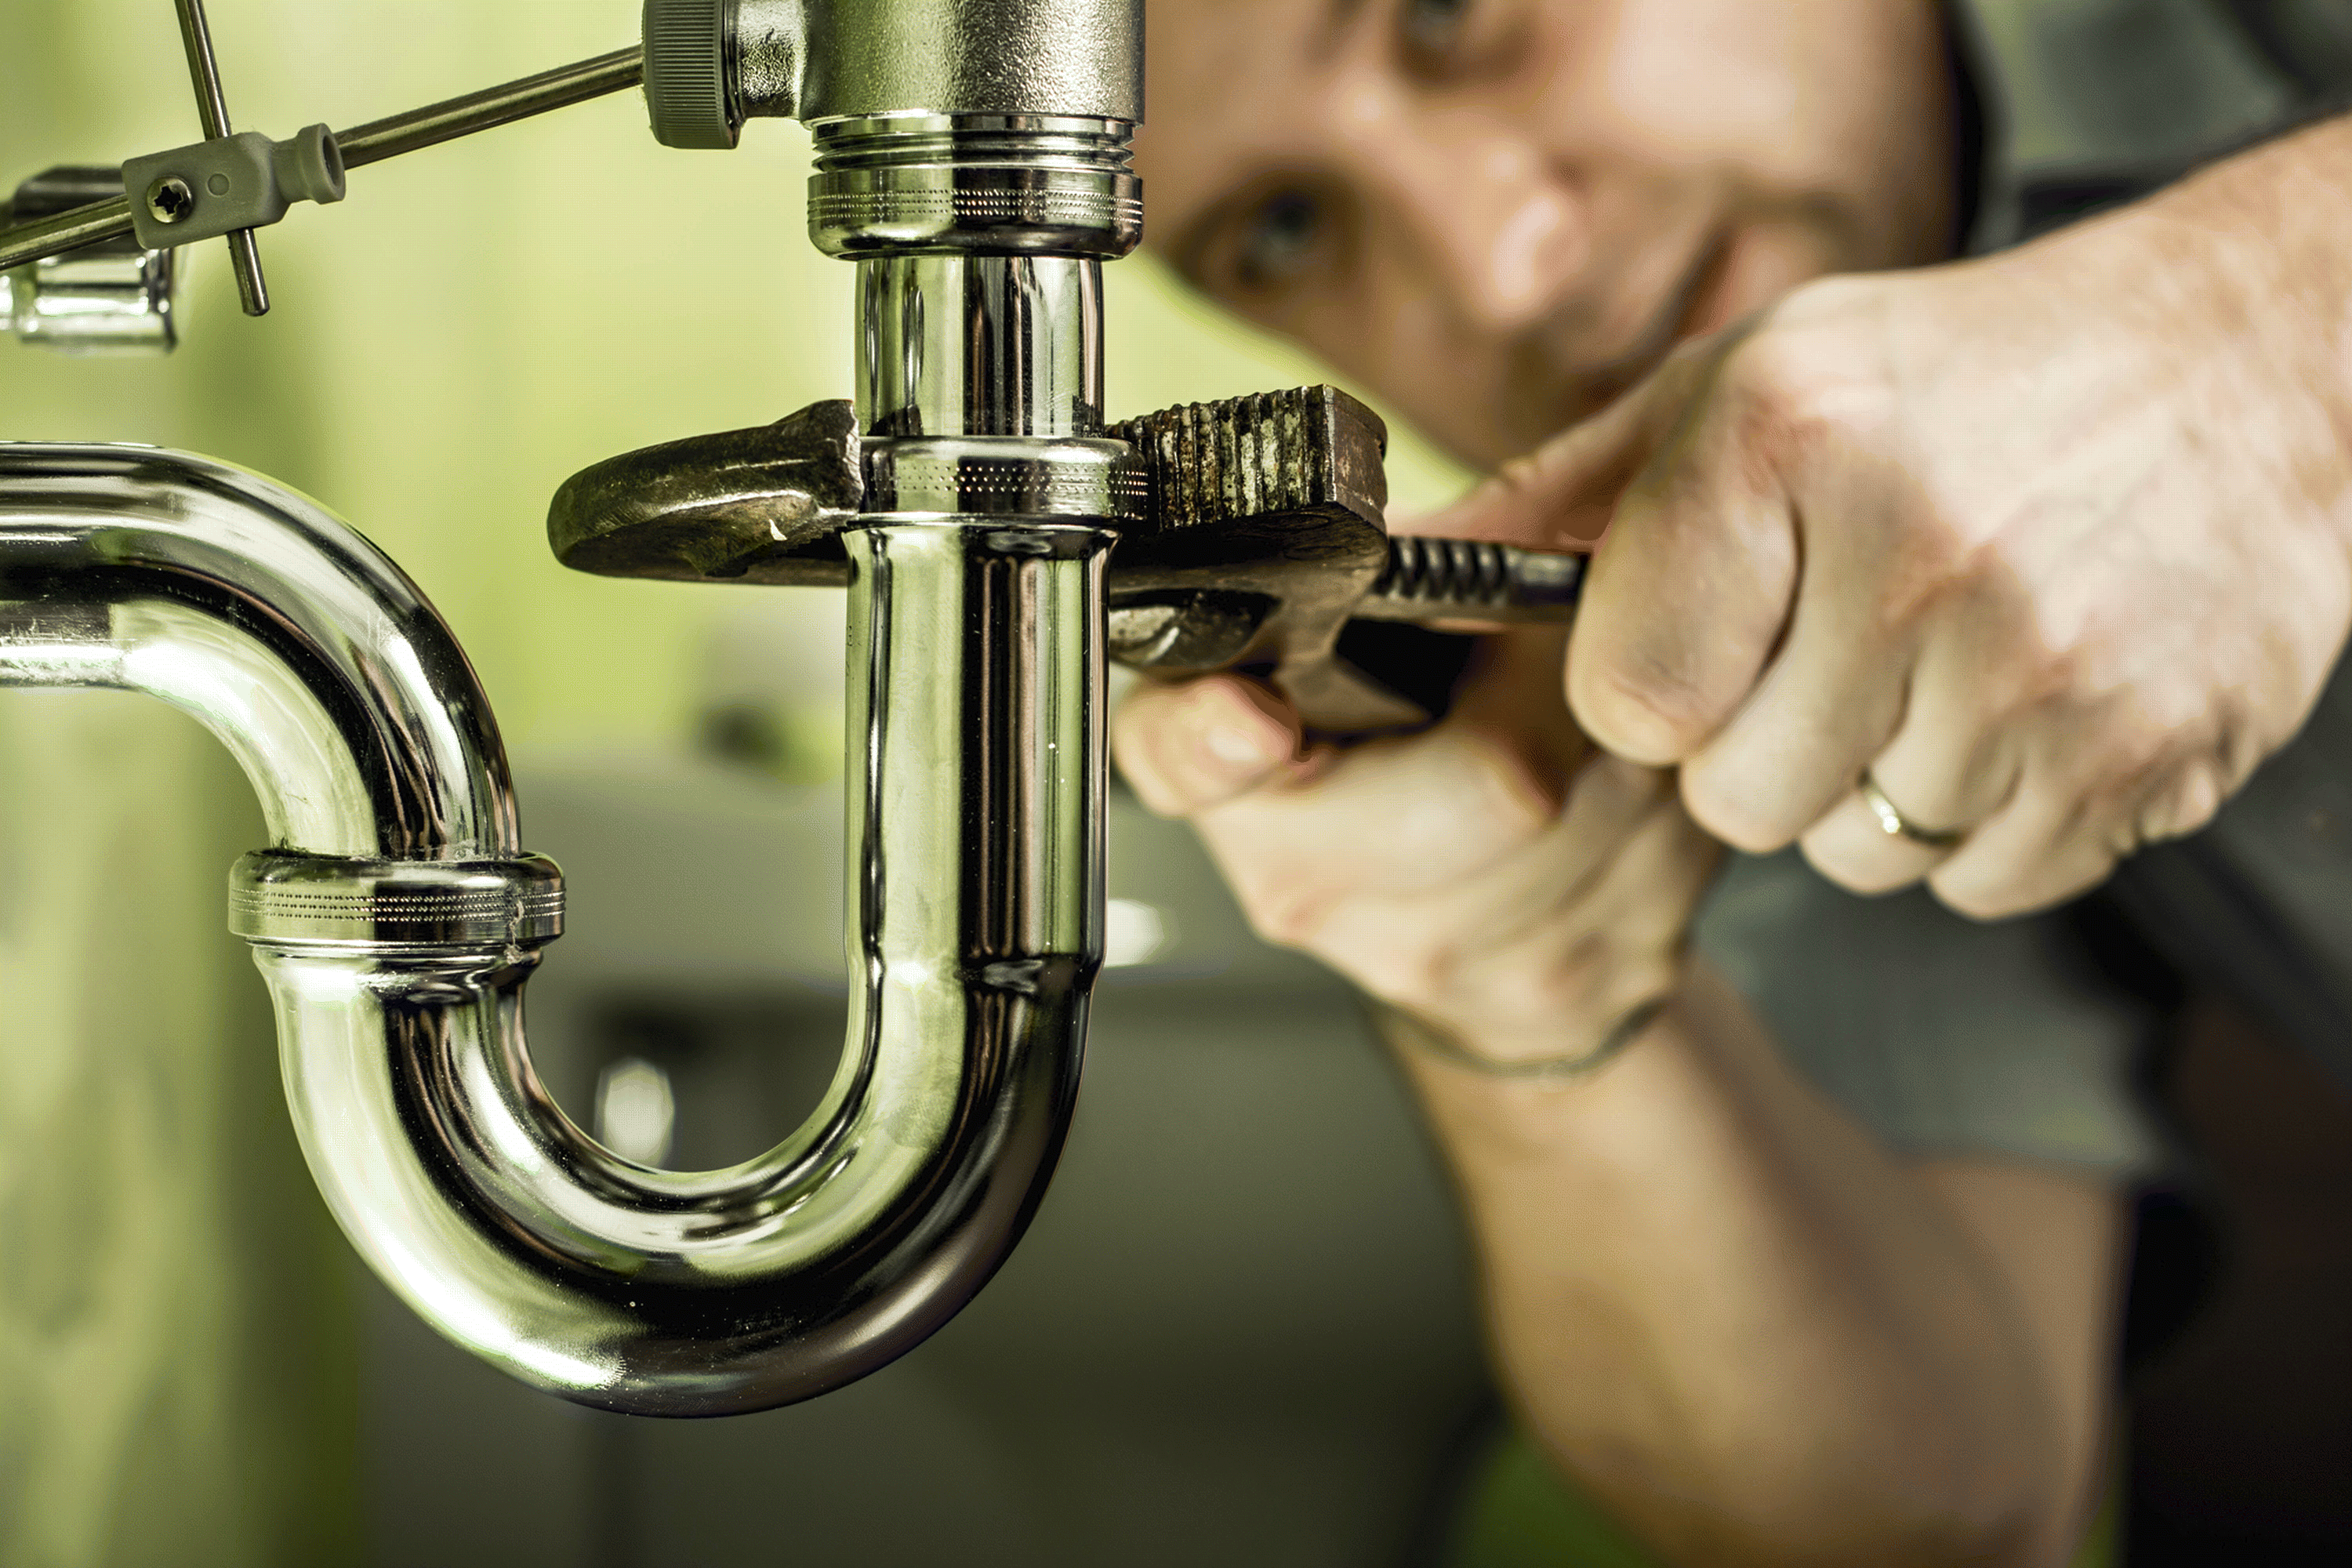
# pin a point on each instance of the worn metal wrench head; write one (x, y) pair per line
(765, 505)
(1262, 536)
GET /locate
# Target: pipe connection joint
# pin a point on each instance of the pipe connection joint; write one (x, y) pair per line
(710, 65)
(995, 127)
(282, 899)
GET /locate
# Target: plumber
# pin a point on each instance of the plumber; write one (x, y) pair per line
(1954, 399)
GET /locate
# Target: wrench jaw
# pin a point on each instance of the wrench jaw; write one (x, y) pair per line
(765, 505)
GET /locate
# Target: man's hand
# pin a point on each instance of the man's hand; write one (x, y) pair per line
(1739, 1322)
(2052, 545)
(1493, 877)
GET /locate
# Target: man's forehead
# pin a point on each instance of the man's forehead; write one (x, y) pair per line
(1233, 84)
(1184, 35)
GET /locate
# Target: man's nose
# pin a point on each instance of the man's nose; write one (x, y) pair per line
(1498, 223)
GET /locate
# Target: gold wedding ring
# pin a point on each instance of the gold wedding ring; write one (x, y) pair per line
(1898, 825)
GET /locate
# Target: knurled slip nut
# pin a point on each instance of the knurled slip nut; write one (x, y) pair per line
(280, 897)
(1049, 499)
(1089, 215)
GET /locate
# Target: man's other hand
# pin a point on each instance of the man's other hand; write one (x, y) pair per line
(1493, 876)
(2052, 546)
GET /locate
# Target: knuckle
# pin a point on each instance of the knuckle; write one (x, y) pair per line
(1752, 801)
(1645, 710)
(1980, 901)
(1654, 975)
(1799, 394)
(1504, 784)
(2190, 794)
(1934, 579)
(1729, 818)
(1406, 971)
(1141, 731)
(1429, 976)
(1156, 795)
(1289, 917)
(1151, 790)
(2040, 672)
(2002, 892)
(2136, 780)
(1858, 872)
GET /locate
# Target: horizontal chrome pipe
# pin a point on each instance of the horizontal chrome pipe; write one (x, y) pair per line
(319, 665)
(396, 921)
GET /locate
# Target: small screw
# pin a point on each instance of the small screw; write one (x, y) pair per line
(170, 200)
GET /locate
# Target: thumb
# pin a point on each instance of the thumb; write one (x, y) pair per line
(1688, 602)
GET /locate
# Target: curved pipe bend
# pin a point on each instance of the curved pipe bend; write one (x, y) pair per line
(396, 921)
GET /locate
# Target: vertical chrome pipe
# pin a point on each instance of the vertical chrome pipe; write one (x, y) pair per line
(980, 345)
(987, 844)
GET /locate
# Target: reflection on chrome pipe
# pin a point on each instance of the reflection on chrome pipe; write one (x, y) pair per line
(294, 640)
(980, 345)
(396, 921)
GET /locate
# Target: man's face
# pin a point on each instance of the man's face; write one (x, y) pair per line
(1498, 214)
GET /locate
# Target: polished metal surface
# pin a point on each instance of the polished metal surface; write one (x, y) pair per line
(992, 126)
(996, 184)
(1251, 529)
(96, 223)
(204, 69)
(319, 665)
(712, 64)
(87, 303)
(396, 923)
(1010, 477)
(980, 345)
(973, 155)
(108, 299)
(771, 58)
(975, 158)
(974, 876)
(764, 505)
(287, 896)
(974, 56)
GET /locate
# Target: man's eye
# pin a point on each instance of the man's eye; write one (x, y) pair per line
(1281, 239)
(1434, 25)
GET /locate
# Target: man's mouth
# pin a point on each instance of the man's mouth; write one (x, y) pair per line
(1696, 304)
(1705, 303)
